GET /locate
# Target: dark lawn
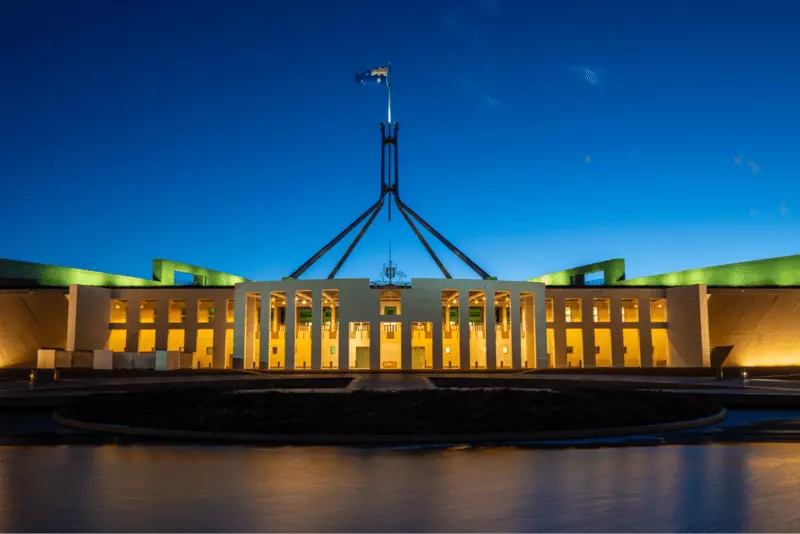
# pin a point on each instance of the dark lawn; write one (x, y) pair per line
(376, 413)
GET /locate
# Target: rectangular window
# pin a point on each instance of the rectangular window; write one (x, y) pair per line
(601, 308)
(572, 310)
(548, 310)
(147, 340)
(658, 310)
(630, 340)
(147, 312)
(229, 311)
(176, 339)
(630, 310)
(602, 342)
(205, 311)
(177, 310)
(117, 340)
(119, 311)
(596, 278)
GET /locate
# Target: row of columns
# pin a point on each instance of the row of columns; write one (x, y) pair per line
(245, 307)
(588, 326)
(189, 325)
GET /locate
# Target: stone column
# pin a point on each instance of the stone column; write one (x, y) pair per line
(291, 322)
(436, 337)
(559, 331)
(132, 324)
(587, 322)
(617, 342)
(645, 333)
(162, 323)
(220, 323)
(316, 329)
(375, 343)
(190, 326)
(267, 318)
(463, 329)
(239, 322)
(250, 331)
(530, 332)
(406, 342)
(540, 326)
(516, 341)
(491, 334)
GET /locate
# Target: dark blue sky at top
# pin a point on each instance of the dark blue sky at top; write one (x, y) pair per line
(231, 134)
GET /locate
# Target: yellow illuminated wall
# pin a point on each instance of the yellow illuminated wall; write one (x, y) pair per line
(176, 339)
(117, 340)
(422, 346)
(602, 342)
(763, 325)
(147, 340)
(359, 345)
(575, 341)
(631, 342)
(660, 348)
(228, 348)
(205, 342)
(119, 311)
(391, 336)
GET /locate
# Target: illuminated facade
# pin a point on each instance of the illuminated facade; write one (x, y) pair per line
(591, 316)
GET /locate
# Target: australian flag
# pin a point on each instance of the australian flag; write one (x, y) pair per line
(381, 74)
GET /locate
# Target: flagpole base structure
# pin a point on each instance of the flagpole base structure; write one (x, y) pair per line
(390, 186)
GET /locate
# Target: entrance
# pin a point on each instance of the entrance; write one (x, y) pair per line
(418, 357)
(362, 357)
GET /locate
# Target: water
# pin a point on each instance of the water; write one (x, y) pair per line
(724, 488)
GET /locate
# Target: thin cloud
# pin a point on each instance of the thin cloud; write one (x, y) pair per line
(593, 77)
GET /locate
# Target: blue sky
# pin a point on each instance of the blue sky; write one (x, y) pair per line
(232, 135)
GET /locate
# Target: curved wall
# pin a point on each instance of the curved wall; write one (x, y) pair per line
(29, 322)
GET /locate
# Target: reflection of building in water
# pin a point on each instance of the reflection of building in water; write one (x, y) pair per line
(589, 316)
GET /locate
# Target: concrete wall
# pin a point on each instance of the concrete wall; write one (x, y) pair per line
(688, 330)
(89, 323)
(358, 302)
(684, 311)
(88, 319)
(29, 321)
(763, 325)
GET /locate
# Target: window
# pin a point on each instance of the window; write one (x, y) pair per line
(205, 311)
(176, 339)
(119, 311)
(548, 310)
(177, 310)
(147, 312)
(229, 311)
(601, 310)
(658, 310)
(117, 340)
(147, 340)
(630, 310)
(572, 310)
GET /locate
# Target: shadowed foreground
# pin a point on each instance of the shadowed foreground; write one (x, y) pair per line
(408, 412)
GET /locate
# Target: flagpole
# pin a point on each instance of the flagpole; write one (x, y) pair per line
(389, 90)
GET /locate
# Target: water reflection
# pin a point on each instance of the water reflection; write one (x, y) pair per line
(138, 488)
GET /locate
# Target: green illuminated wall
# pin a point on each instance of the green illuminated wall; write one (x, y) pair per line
(163, 275)
(164, 271)
(613, 272)
(784, 271)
